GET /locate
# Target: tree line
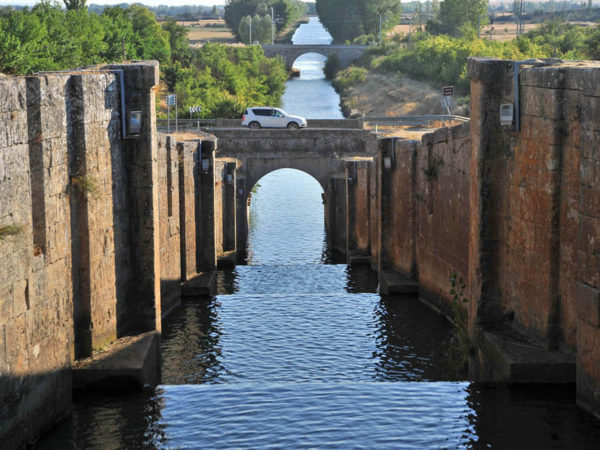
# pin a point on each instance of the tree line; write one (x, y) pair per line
(223, 80)
(442, 58)
(252, 20)
(348, 19)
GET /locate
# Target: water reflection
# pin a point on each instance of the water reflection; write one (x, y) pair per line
(312, 33)
(286, 220)
(191, 349)
(311, 95)
(101, 421)
(530, 416)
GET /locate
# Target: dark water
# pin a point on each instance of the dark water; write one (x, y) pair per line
(296, 352)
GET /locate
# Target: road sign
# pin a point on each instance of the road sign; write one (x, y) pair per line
(195, 109)
(171, 99)
(448, 91)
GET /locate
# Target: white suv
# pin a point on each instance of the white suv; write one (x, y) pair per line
(269, 117)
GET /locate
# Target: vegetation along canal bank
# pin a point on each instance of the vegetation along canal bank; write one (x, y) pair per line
(434, 50)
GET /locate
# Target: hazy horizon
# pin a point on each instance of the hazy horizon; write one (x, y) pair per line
(144, 2)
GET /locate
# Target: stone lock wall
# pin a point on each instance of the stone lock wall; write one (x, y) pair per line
(36, 309)
(423, 210)
(169, 213)
(66, 183)
(442, 212)
(358, 232)
(534, 219)
(512, 211)
(186, 205)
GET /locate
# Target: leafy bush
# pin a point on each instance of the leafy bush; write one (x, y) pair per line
(350, 76)
(443, 59)
(223, 80)
(332, 66)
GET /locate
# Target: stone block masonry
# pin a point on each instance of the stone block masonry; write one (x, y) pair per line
(423, 210)
(533, 225)
(77, 198)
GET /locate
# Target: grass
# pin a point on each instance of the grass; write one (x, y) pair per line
(85, 184)
(7, 231)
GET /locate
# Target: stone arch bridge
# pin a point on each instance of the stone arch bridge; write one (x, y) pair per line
(322, 153)
(345, 53)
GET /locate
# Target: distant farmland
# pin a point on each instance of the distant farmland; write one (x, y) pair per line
(202, 31)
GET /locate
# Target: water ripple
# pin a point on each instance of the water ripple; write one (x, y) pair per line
(318, 415)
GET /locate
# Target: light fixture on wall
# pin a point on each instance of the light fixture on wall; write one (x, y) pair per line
(506, 114)
(205, 165)
(229, 178)
(134, 123)
(387, 163)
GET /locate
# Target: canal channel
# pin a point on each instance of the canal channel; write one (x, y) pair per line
(296, 351)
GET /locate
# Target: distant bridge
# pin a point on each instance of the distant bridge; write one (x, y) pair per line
(290, 53)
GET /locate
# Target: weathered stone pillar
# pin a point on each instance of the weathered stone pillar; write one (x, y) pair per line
(358, 212)
(204, 179)
(142, 311)
(588, 254)
(491, 86)
(335, 215)
(242, 195)
(225, 212)
(398, 177)
(375, 216)
(91, 185)
(186, 152)
(229, 208)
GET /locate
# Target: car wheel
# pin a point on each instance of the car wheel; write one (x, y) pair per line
(293, 125)
(254, 125)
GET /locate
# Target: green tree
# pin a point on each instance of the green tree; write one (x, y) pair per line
(245, 29)
(178, 39)
(261, 29)
(332, 66)
(74, 4)
(455, 14)
(286, 11)
(152, 41)
(348, 19)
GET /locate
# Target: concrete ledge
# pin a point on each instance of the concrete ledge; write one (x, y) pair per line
(359, 259)
(204, 285)
(510, 357)
(132, 361)
(226, 259)
(394, 283)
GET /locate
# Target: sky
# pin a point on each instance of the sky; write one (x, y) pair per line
(145, 2)
(114, 2)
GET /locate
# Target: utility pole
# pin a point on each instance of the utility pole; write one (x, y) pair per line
(520, 30)
(380, 36)
(272, 27)
(250, 37)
